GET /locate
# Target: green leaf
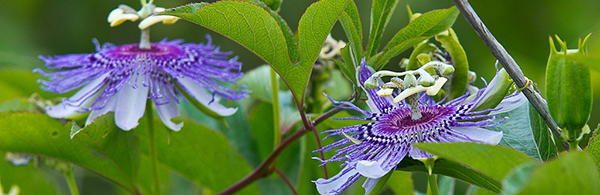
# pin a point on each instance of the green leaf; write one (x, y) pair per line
(420, 29)
(255, 80)
(542, 136)
(17, 83)
(273, 4)
(515, 181)
(470, 155)
(381, 183)
(517, 131)
(572, 173)
(257, 29)
(594, 148)
(381, 13)
(215, 163)
(48, 137)
(401, 183)
(453, 169)
(16, 105)
(348, 65)
(352, 25)
(314, 26)
(446, 185)
(29, 178)
(248, 24)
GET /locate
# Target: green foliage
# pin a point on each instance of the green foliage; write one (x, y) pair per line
(571, 173)
(519, 176)
(401, 183)
(49, 137)
(29, 178)
(518, 131)
(256, 29)
(543, 138)
(352, 25)
(455, 170)
(503, 159)
(594, 148)
(381, 13)
(422, 28)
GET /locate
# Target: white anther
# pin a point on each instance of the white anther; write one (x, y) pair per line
(385, 92)
(148, 22)
(408, 92)
(117, 16)
(439, 83)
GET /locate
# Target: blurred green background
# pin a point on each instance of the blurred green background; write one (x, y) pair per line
(29, 28)
(46, 27)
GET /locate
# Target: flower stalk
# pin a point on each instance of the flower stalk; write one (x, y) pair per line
(71, 182)
(152, 145)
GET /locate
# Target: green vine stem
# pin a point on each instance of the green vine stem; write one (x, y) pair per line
(275, 101)
(71, 182)
(432, 188)
(152, 145)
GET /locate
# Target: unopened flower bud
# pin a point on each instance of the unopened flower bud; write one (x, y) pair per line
(568, 87)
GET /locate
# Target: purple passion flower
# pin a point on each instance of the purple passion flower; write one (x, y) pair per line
(121, 78)
(372, 150)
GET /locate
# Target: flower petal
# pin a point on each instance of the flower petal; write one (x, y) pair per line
(416, 153)
(510, 103)
(371, 169)
(377, 103)
(110, 106)
(131, 103)
(480, 134)
(202, 96)
(337, 183)
(168, 111)
(77, 102)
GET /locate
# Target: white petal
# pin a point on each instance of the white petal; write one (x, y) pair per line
(480, 134)
(202, 96)
(369, 185)
(166, 112)
(371, 169)
(110, 105)
(130, 104)
(77, 102)
(331, 185)
(511, 103)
